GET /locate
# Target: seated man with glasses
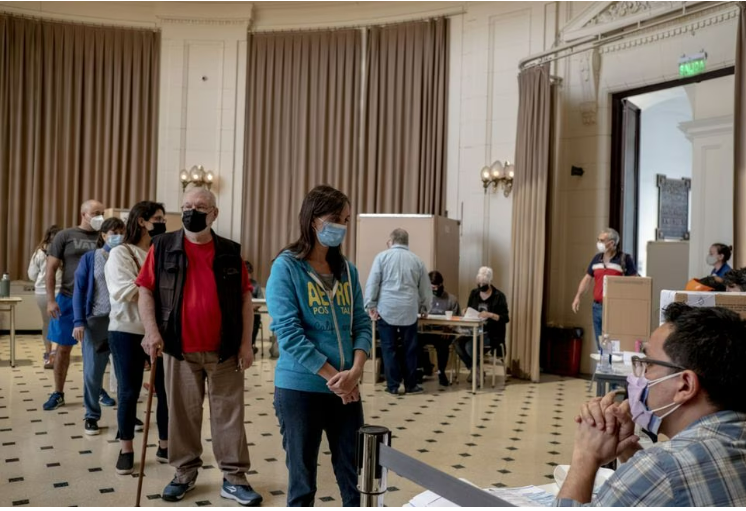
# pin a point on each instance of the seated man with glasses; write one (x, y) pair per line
(689, 387)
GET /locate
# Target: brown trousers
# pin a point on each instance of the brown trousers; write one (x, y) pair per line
(185, 385)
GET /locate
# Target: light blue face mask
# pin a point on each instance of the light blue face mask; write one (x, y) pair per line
(114, 240)
(331, 235)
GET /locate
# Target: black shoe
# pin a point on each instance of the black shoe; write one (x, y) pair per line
(91, 427)
(125, 463)
(175, 491)
(256, 350)
(162, 455)
(392, 392)
(415, 390)
(139, 426)
(443, 380)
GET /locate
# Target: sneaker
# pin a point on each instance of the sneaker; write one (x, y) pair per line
(175, 491)
(244, 494)
(139, 426)
(49, 360)
(415, 390)
(106, 399)
(91, 427)
(392, 392)
(125, 463)
(443, 380)
(161, 455)
(56, 400)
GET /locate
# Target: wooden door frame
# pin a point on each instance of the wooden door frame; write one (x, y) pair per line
(617, 132)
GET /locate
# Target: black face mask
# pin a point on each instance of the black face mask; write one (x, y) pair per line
(484, 288)
(158, 228)
(439, 292)
(194, 221)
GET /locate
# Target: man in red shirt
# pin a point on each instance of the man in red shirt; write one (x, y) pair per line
(608, 261)
(195, 305)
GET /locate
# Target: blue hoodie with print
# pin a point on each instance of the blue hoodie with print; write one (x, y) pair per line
(311, 329)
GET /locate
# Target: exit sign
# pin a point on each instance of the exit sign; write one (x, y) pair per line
(691, 65)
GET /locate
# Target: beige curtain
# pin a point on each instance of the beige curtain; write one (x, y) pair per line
(302, 122)
(739, 145)
(406, 118)
(529, 220)
(78, 120)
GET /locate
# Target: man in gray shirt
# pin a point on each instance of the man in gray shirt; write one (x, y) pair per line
(65, 252)
(397, 291)
(442, 302)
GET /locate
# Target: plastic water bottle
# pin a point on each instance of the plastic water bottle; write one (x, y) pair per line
(5, 286)
(604, 362)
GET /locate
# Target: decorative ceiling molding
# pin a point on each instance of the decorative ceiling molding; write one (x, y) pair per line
(714, 126)
(590, 72)
(604, 17)
(674, 29)
(162, 20)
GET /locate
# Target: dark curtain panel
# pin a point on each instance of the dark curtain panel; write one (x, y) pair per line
(406, 118)
(304, 122)
(739, 145)
(529, 219)
(302, 130)
(78, 121)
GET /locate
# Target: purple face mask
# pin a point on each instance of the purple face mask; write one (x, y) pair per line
(638, 389)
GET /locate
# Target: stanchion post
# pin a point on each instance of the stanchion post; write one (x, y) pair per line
(371, 476)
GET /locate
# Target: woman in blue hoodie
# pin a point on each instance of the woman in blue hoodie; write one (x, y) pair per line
(91, 320)
(324, 335)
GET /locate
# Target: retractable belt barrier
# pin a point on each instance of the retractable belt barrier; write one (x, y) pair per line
(375, 457)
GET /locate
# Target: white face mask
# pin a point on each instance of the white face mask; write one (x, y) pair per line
(97, 222)
(712, 260)
(601, 246)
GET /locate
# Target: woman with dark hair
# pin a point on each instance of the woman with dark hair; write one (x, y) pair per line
(91, 309)
(324, 336)
(146, 220)
(718, 258)
(37, 272)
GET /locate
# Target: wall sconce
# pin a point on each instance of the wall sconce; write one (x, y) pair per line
(498, 174)
(196, 176)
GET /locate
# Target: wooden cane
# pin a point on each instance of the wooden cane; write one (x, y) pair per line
(153, 366)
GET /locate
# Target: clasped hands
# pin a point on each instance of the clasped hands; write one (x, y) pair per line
(345, 384)
(605, 432)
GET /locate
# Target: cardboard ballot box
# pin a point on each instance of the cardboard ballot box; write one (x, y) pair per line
(733, 301)
(627, 309)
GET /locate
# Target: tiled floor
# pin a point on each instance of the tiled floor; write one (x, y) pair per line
(512, 435)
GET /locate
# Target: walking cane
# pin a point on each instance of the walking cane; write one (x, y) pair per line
(153, 366)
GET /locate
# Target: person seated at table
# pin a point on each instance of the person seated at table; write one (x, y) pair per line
(441, 303)
(492, 305)
(735, 281)
(688, 386)
(718, 258)
(257, 293)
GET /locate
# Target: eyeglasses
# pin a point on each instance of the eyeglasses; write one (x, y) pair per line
(641, 364)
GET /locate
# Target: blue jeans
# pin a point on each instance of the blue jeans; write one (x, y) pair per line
(598, 314)
(410, 347)
(94, 365)
(465, 349)
(303, 417)
(129, 362)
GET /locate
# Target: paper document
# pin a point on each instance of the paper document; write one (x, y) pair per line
(525, 496)
(471, 314)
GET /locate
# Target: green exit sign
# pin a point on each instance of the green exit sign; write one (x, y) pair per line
(691, 65)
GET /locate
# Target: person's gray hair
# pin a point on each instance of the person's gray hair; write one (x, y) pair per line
(201, 192)
(400, 237)
(613, 235)
(485, 275)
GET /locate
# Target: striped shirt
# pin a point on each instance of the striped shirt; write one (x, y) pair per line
(598, 270)
(703, 466)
